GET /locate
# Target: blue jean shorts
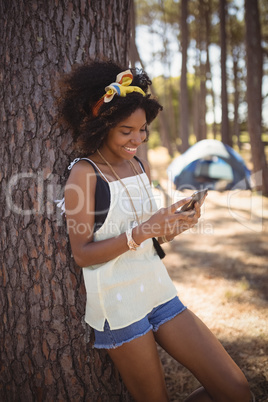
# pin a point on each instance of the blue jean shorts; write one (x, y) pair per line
(110, 339)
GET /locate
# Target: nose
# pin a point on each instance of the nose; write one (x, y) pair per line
(138, 137)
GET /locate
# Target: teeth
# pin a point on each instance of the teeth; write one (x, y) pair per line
(131, 149)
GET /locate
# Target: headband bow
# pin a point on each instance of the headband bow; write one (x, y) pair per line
(121, 87)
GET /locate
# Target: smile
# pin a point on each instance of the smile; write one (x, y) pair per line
(131, 150)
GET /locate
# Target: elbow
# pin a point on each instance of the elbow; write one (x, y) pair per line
(78, 261)
(82, 259)
(80, 254)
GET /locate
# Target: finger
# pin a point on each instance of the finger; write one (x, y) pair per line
(184, 215)
(192, 217)
(172, 208)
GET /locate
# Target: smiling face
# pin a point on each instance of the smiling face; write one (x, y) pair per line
(124, 139)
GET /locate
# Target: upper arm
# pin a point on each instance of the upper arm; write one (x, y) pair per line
(80, 206)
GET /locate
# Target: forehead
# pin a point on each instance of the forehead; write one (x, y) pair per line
(137, 118)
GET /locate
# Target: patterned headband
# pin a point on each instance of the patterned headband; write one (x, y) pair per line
(121, 87)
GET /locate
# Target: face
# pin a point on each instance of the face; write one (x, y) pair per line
(124, 139)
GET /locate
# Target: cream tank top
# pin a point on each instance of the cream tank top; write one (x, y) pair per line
(126, 288)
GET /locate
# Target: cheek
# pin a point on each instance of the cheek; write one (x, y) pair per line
(145, 136)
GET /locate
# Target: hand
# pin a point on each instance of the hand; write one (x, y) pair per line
(192, 218)
(196, 213)
(167, 222)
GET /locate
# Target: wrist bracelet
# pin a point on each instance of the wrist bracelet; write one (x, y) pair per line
(165, 240)
(132, 245)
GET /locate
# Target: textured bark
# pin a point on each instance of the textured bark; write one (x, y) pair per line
(45, 347)
(254, 59)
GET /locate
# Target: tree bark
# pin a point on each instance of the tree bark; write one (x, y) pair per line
(254, 61)
(184, 113)
(225, 134)
(45, 346)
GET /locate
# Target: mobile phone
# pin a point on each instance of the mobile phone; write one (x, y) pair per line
(196, 196)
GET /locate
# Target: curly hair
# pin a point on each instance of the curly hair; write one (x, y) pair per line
(83, 87)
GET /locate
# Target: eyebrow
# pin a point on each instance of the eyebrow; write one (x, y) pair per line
(131, 126)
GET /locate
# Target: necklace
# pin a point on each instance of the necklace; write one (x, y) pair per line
(139, 176)
(135, 223)
(157, 246)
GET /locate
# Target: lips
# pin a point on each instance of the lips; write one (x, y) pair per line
(130, 150)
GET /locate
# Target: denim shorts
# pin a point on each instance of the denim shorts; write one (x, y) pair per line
(110, 339)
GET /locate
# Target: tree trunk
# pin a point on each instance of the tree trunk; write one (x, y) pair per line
(173, 131)
(203, 69)
(208, 13)
(208, 69)
(236, 128)
(196, 97)
(225, 135)
(254, 60)
(45, 347)
(184, 113)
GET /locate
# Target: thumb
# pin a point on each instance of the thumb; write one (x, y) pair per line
(173, 207)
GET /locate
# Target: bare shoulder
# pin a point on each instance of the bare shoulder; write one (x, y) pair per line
(80, 172)
(81, 185)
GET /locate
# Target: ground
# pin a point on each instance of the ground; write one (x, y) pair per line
(220, 270)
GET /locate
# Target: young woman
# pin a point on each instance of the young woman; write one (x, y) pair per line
(113, 224)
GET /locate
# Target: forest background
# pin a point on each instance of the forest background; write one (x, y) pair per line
(209, 60)
(209, 63)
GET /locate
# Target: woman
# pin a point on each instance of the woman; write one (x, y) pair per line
(112, 219)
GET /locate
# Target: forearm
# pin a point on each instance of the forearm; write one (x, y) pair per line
(105, 250)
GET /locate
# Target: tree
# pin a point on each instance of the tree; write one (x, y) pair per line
(184, 115)
(45, 347)
(254, 60)
(225, 135)
(237, 45)
(208, 14)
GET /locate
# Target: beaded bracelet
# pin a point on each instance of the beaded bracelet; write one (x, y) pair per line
(132, 245)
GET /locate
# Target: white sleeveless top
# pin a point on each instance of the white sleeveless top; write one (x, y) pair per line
(126, 288)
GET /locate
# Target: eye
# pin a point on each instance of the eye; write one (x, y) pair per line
(124, 133)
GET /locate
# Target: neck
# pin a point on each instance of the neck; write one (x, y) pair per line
(111, 158)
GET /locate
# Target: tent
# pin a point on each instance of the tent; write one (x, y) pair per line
(212, 164)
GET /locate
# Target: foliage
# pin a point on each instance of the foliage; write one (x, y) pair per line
(163, 18)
